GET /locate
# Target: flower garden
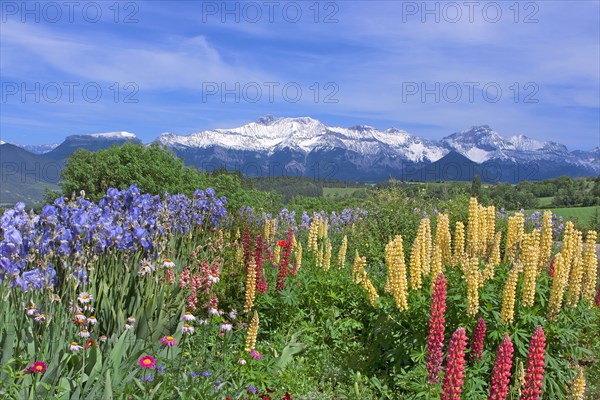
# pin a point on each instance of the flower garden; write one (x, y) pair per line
(172, 297)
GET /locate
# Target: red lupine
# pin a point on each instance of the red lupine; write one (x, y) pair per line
(501, 374)
(435, 339)
(551, 269)
(286, 255)
(192, 301)
(598, 298)
(455, 366)
(478, 339)
(184, 278)
(534, 376)
(261, 280)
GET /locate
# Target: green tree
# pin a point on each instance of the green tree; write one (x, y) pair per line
(476, 186)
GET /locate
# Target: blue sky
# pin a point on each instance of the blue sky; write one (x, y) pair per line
(430, 68)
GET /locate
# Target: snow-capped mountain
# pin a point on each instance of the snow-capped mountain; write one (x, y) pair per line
(39, 148)
(481, 143)
(364, 152)
(307, 147)
(305, 135)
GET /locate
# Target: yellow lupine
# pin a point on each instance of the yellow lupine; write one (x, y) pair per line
(277, 254)
(578, 387)
(514, 236)
(529, 257)
(415, 263)
(436, 263)
(327, 256)
(459, 243)
(471, 275)
(252, 332)
(490, 225)
(298, 258)
(313, 233)
(319, 257)
(342, 253)
(322, 228)
(508, 302)
(576, 274)
(250, 286)
(357, 266)
(590, 267)
(443, 238)
(473, 227)
(396, 283)
(568, 245)
(545, 241)
(559, 282)
(495, 256)
(427, 246)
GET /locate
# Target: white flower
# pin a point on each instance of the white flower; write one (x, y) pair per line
(84, 333)
(186, 328)
(88, 308)
(31, 310)
(128, 327)
(168, 263)
(233, 314)
(75, 347)
(74, 307)
(40, 318)
(188, 316)
(92, 320)
(103, 338)
(213, 279)
(226, 327)
(241, 361)
(202, 322)
(213, 311)
(131, 319)
(84, 297)
(146, 267)
(80, 317)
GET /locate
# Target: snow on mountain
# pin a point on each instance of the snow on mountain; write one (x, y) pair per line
(39, 148)
(112, 135)
(269, 134)
(481, 143)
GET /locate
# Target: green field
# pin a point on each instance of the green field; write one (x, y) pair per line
(336, 191)
(583, 215)
(545, 201)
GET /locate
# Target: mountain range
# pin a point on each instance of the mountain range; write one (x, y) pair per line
(307, 147)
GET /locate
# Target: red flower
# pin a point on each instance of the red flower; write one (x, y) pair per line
(38, 367)
(281, 243)
(534, 376)
(455, 366)
(551, 269)
(261, 280)
(477, 342)
(89, 344)
(286, 255)
(147, 361)
(598, 298)
(435, 339)
(501, 373)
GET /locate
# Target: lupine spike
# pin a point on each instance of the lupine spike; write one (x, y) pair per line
(534, 375)
(501, 374)
(455, 366)
(478, 340)
(435, 339)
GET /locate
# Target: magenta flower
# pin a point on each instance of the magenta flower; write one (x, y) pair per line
(38, 367)
(534, 376)
(147, 361)
(501, 373)
(168, 341)
(435, 339)
(455, 366)
(477, 342)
